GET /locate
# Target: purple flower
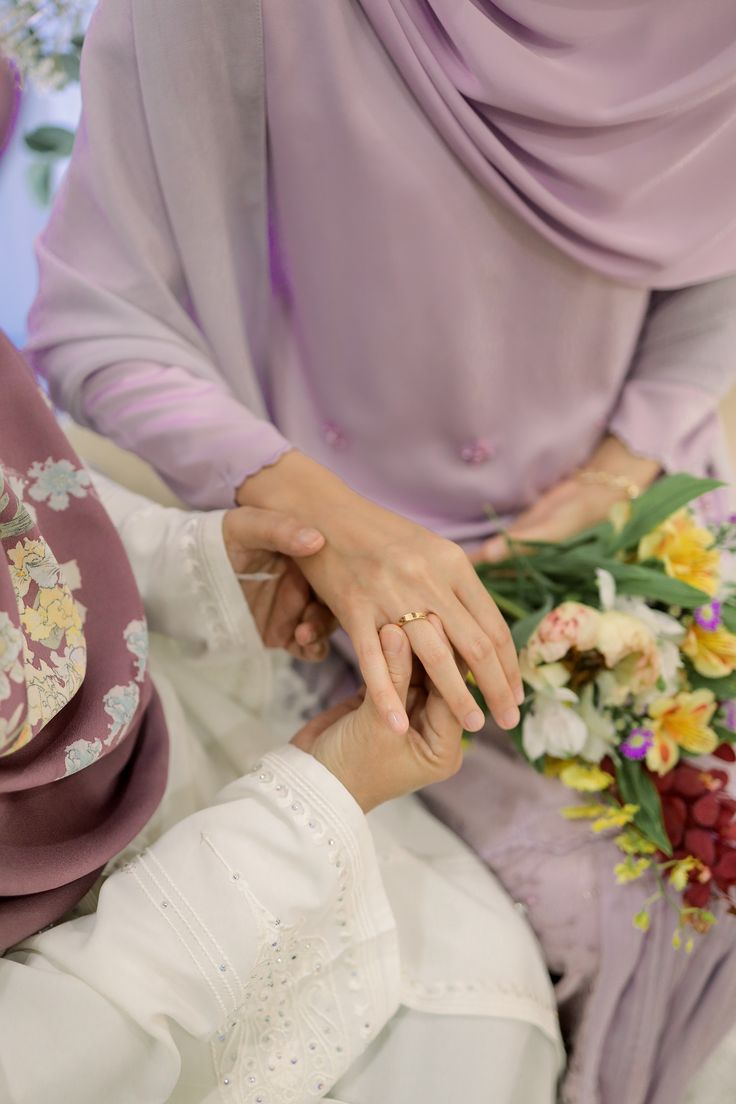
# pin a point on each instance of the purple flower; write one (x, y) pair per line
(729, 715)
(637, 743)
(709, 617)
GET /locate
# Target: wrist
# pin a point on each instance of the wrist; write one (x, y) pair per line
(613, 457)
(298, 486)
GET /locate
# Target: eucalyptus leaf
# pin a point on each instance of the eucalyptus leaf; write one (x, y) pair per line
(40, 181)
(637, 788)
(53, 141)
(659, 502)
(69, 66)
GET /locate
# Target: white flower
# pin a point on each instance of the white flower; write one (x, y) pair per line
(11, 651)
(606, 588)
(55, 480)
(553, 727)
(121, 703)
(81, 754)
(601, 730)
(661, 624)
(136, 639)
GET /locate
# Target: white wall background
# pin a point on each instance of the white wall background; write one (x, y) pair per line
(21, 216)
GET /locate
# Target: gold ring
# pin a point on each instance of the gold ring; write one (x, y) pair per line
(407, 618)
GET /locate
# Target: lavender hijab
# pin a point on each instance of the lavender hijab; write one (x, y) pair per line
(83, 745)
(608, 125)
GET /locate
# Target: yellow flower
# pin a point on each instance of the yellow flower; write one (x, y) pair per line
(683, 722)
(642, 921)
(680, 872)
(663, 755)
(686, 550)
(631, 869)
(632, 843)
(54, 617)
(585, 777)
(582, 812)
(615, 817)
(713, 652)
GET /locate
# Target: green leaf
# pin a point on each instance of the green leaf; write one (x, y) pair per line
(723, 688)
(725, 735)
(69, 66)
(524, 628)
(637, 788)
(728, 616)
(655, 585)
(507, 605)
(40, 181)
(659, 502)
(579, 564)
(53, 141)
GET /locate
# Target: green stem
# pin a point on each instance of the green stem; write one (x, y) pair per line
(507, 605)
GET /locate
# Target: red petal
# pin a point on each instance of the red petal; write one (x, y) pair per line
(700, 844)
(697, 895)
(727, 831)
(663, 782)
(726, 752)
(688, 782)
(705, 811)
(725, 869)
(720, 776)
(674, 812)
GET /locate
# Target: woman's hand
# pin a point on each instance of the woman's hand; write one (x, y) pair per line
(572, 504)
(354, 742)
(287, 614)
(375, 567)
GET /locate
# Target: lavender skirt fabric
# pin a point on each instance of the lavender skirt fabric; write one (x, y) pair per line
(639, 1017)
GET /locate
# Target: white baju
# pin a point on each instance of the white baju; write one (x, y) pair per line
(265, 942)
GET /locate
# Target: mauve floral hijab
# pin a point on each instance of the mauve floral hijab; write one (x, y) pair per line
(607, 125)
(83, 744)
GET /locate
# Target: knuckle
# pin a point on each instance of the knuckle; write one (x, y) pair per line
(481, 649)
(435, 657)
(453, 554)
(501, 637)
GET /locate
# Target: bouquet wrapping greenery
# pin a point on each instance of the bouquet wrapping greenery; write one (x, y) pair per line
(627, 643)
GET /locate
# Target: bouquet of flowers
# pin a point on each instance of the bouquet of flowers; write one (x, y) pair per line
(627, 639)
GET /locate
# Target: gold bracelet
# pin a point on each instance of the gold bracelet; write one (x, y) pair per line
(594, 478)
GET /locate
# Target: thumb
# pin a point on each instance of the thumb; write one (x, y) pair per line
(254, 528)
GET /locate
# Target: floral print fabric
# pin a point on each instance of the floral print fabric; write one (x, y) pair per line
(83, 747)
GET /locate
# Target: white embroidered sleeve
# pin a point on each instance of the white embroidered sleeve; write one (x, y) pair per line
(251, 947)
(181, 566)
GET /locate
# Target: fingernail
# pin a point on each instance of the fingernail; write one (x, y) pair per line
(474, 721)
(397, 722)
(520, 695)
(307, 537)
(510, 719)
